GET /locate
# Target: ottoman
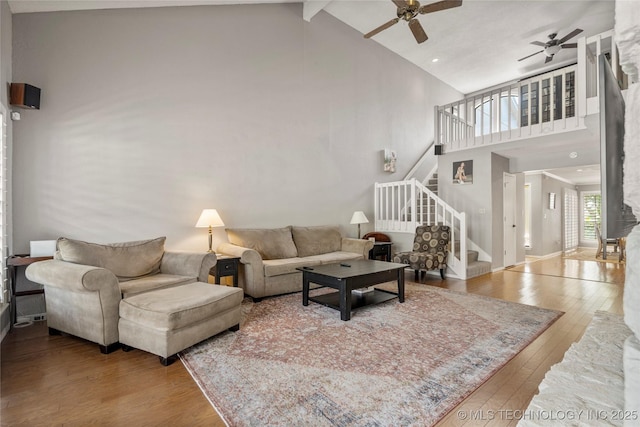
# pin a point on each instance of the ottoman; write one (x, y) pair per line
(166, 321)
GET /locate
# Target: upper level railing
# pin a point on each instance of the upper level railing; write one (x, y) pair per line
(401, 206)
(536, 106)
(553, 102)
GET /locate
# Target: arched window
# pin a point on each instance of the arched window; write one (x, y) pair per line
(487, 119)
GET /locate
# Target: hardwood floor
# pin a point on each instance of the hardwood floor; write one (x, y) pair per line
(62, 380)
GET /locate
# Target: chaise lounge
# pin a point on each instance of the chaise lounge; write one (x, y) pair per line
(89, 285)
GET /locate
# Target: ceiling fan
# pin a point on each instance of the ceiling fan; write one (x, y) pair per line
(408, 10)
(554, 45)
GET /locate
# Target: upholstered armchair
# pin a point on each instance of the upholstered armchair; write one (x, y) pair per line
(430, 250)
(85, 282)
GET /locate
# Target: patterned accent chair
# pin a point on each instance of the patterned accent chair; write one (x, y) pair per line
(430, 250)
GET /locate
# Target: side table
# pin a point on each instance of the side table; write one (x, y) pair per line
(381, 251)
(226, 266)
(13, 262)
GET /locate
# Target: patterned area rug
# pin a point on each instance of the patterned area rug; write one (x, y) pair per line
(391, 364)
(590, 255)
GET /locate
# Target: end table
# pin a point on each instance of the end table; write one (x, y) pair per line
(381, 251)
(13, 262)
(226, 266)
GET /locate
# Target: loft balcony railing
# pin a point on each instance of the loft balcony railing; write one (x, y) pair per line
(553, 102)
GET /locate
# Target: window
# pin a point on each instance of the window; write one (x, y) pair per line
(487, 111)
(570, 219)
(591, 208)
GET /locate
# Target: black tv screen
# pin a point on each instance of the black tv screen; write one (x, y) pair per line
(617, 217)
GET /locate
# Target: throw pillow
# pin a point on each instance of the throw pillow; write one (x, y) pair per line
(270, 243)
(316, 240)
(126, 260)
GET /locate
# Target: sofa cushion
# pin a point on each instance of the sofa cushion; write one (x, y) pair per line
(333, 257)
(126, 260)
(316, 240)
(174, 308)
(157, 281)
(277, 267)
(270, 243)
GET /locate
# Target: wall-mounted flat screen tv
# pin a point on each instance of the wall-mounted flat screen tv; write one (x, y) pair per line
(617, 217)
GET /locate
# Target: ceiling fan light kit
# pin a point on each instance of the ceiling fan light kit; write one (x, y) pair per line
(408, 11)
(554, 45)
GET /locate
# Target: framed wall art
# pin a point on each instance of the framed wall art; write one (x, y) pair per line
(390, 159)
(463, 172)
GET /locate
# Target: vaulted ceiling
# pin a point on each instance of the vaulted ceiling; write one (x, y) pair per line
(477, 45)
(471, 47)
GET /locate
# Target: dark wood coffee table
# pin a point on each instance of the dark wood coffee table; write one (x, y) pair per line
(351, 275)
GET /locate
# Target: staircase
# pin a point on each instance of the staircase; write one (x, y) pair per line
(475, 267)
(432, 183)
(403, 205)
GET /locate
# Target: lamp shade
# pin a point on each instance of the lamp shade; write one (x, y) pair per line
(359, 218)
(209, 218)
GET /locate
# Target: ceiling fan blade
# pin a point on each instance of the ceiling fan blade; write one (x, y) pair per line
(418, 31)
(539, 44)
(529, 56)
(569, 45)
(570, 35)
(381, 28)
(549, 58)
(440, 5)
(400, 3)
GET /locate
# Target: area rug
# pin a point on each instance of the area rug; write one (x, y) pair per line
(590, 255)
(391, 364)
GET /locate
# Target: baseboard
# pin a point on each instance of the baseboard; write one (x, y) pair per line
(546, 256)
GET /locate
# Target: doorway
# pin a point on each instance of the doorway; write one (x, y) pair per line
(509, 216)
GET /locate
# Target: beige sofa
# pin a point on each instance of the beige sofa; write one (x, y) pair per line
(269, 257)
(85, 282)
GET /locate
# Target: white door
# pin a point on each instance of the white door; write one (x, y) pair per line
(509, 215)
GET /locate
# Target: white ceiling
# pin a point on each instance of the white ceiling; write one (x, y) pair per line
(477, 44)
(581, 175)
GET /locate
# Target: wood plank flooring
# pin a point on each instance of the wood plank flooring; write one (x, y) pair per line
(62, 380)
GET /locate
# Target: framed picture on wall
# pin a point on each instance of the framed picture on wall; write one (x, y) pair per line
(390, 159)
(463, 172)
(552, 200)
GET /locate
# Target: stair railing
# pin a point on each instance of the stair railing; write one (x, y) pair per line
(401, 206)
(428, 160)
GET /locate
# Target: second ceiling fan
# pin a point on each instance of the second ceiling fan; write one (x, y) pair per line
(408, 11)
(554, 45)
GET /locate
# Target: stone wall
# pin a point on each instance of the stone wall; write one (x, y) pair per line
(627, 33)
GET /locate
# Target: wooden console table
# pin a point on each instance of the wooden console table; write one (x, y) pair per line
(13, 262)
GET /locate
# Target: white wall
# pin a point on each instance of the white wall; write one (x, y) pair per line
(150, 115)
(546, 223)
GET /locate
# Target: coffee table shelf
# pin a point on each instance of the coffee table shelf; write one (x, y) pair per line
(332, 299)
(347, 276)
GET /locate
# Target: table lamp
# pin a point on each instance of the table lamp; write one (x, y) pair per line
(359, 218)
(209, 218)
